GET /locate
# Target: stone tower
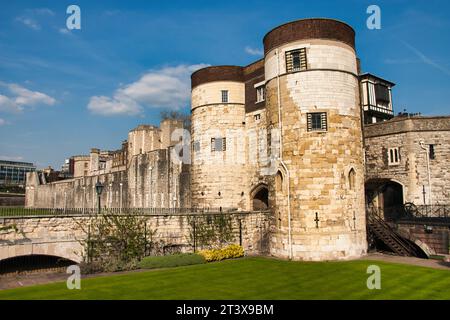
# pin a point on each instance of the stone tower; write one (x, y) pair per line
(218, 172)
(312, 97)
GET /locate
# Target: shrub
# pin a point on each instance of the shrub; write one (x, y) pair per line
(175, 260)
(114, 242)
(231, 251)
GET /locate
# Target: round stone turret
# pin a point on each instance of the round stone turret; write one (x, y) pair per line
(312, 87)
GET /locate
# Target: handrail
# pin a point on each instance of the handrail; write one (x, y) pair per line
(375, 218)
(7, 212)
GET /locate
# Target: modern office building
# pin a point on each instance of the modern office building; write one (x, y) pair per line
(13, 173)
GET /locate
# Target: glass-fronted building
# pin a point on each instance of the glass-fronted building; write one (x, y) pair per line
(13, 173)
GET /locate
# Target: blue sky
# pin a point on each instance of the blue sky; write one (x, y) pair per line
(63, 92)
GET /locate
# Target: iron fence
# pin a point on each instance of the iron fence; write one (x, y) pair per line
(410, 211)
(28, 212)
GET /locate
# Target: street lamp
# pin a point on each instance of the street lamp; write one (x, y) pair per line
(99, 189)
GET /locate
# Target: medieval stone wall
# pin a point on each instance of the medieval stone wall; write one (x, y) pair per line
(154, 179)
(412, 172)
(63, 236)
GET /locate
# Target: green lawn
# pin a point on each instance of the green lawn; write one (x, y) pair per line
(255, 278)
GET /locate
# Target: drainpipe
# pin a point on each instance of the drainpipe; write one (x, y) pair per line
(428, 169)
(280, 126)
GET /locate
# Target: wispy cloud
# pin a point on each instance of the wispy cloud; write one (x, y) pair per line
(64, 31)
(254, 52)
(21, 97)
(30, 23)
(2, 122)
(401, 61)
(43, 11)
(426, 59)
(167, 87)
(31, 16)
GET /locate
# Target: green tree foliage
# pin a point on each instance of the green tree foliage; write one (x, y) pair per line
(115, 242)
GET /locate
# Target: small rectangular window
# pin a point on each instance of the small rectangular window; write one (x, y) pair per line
(260, 94)
(218, 144)
(431, 152)
(257, 117)
(225, 96)
(296, 60)
(317, 121)
(393, 156)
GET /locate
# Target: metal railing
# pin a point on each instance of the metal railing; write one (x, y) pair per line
(410, 211)
(60, 212)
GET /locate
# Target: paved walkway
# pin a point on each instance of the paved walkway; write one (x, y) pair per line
(23, 280)
(430, 263)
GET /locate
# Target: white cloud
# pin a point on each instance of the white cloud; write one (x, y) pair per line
(25, 97)
(30, 23)
(254, 52)
(31, 17)
(167, 87)
(106, 106)
(21, 98)
(2, 122)
(8, 105)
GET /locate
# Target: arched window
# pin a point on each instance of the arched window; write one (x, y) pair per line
(279, 182)
(351, 179)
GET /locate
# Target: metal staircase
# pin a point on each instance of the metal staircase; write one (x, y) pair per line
(382, 231)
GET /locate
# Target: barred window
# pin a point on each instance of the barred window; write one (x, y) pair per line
(225, 96)
(218, 144)
(317, 121)
(196, 146)
(296, 60)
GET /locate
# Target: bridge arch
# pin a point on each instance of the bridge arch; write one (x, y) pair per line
(70, 250)
(33, 262)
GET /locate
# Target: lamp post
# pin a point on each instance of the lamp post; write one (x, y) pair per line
(99, 189)
(120, 199)
(110, 194)
(84, 198)
(151, 183)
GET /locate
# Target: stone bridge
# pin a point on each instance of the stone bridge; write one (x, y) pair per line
(62, 236)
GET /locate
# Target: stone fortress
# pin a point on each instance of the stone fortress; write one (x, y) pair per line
(301, 133)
